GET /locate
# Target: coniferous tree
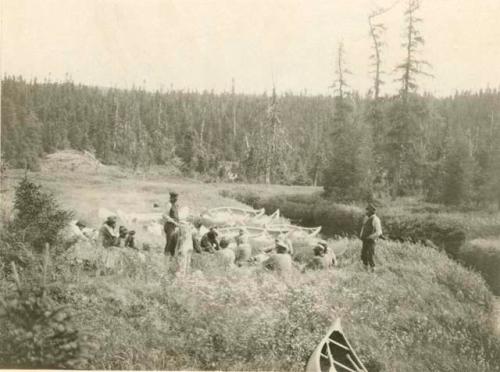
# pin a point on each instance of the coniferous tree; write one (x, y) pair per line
(345, 177)
(458, 172)
(404, 138)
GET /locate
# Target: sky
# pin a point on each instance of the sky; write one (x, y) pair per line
(203, 44)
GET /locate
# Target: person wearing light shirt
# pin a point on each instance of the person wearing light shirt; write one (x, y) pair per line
(370, 232)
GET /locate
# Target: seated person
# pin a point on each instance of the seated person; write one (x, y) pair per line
(227, 254)
(197, 237)
(122, 235)
(281, 261)
(107, 234)
(243, 251)
(209, 242)
(324, 258)
(130, 240)
(241, 238)
(288, 242)
(88, 232)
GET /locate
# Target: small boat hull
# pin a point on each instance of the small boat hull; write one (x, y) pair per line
(230, 216)
(334, 354)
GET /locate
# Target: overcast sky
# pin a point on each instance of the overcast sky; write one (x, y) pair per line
(202, 44)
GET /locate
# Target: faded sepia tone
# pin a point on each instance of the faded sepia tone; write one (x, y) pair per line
(126, 42)
(268, 185)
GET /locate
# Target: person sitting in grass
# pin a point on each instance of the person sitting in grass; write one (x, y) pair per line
(197, 236)
(225, 253)
(281, 261)
(88, 232)
(107, 234)
(241, 238)
(209, 242)
(122, 236)
(243, 249)
(323, 257)
(284, 238)
(130, 240)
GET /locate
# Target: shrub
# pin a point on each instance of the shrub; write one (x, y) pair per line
(14, 250)
(36, 333)
(484, 256)
(250, 198)
(38, 219)
(446, 233)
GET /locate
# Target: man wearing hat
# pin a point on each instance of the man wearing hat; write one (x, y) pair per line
(107, 233)
(170, 227)
(281, 261)
(370, 232)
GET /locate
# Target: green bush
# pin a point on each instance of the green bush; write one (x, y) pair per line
(444, 232)
(13, 250)
(36, 332)
(38, 218)
(484, 256)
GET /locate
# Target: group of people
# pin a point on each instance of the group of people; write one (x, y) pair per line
(280, 258)
(209, 242)
(109, 237)
(276, 258)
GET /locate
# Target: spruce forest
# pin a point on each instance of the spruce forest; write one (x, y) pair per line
(355, 145)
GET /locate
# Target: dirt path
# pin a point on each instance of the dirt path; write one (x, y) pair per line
(496, 316)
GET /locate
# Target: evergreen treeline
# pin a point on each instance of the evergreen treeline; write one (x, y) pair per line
(137, 128)
(446, 148)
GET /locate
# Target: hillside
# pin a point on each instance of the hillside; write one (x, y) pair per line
(419, 311)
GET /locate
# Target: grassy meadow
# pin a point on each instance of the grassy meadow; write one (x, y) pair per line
(420, 311)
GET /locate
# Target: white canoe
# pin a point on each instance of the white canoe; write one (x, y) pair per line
(334, 354)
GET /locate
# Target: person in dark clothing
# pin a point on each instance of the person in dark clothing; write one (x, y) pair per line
(130, 240)
(107, 233)
(370, 232)
(170, 227)
(209, 242)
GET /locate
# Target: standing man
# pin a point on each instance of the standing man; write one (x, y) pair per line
(170, 227)
(370, 232)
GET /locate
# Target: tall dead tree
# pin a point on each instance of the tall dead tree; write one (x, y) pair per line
(273, 122)
(340, 84)
(233, 101)
(412, 66)
(377, 30)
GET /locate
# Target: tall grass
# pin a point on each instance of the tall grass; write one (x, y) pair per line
(419, 311)
(249, 319)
